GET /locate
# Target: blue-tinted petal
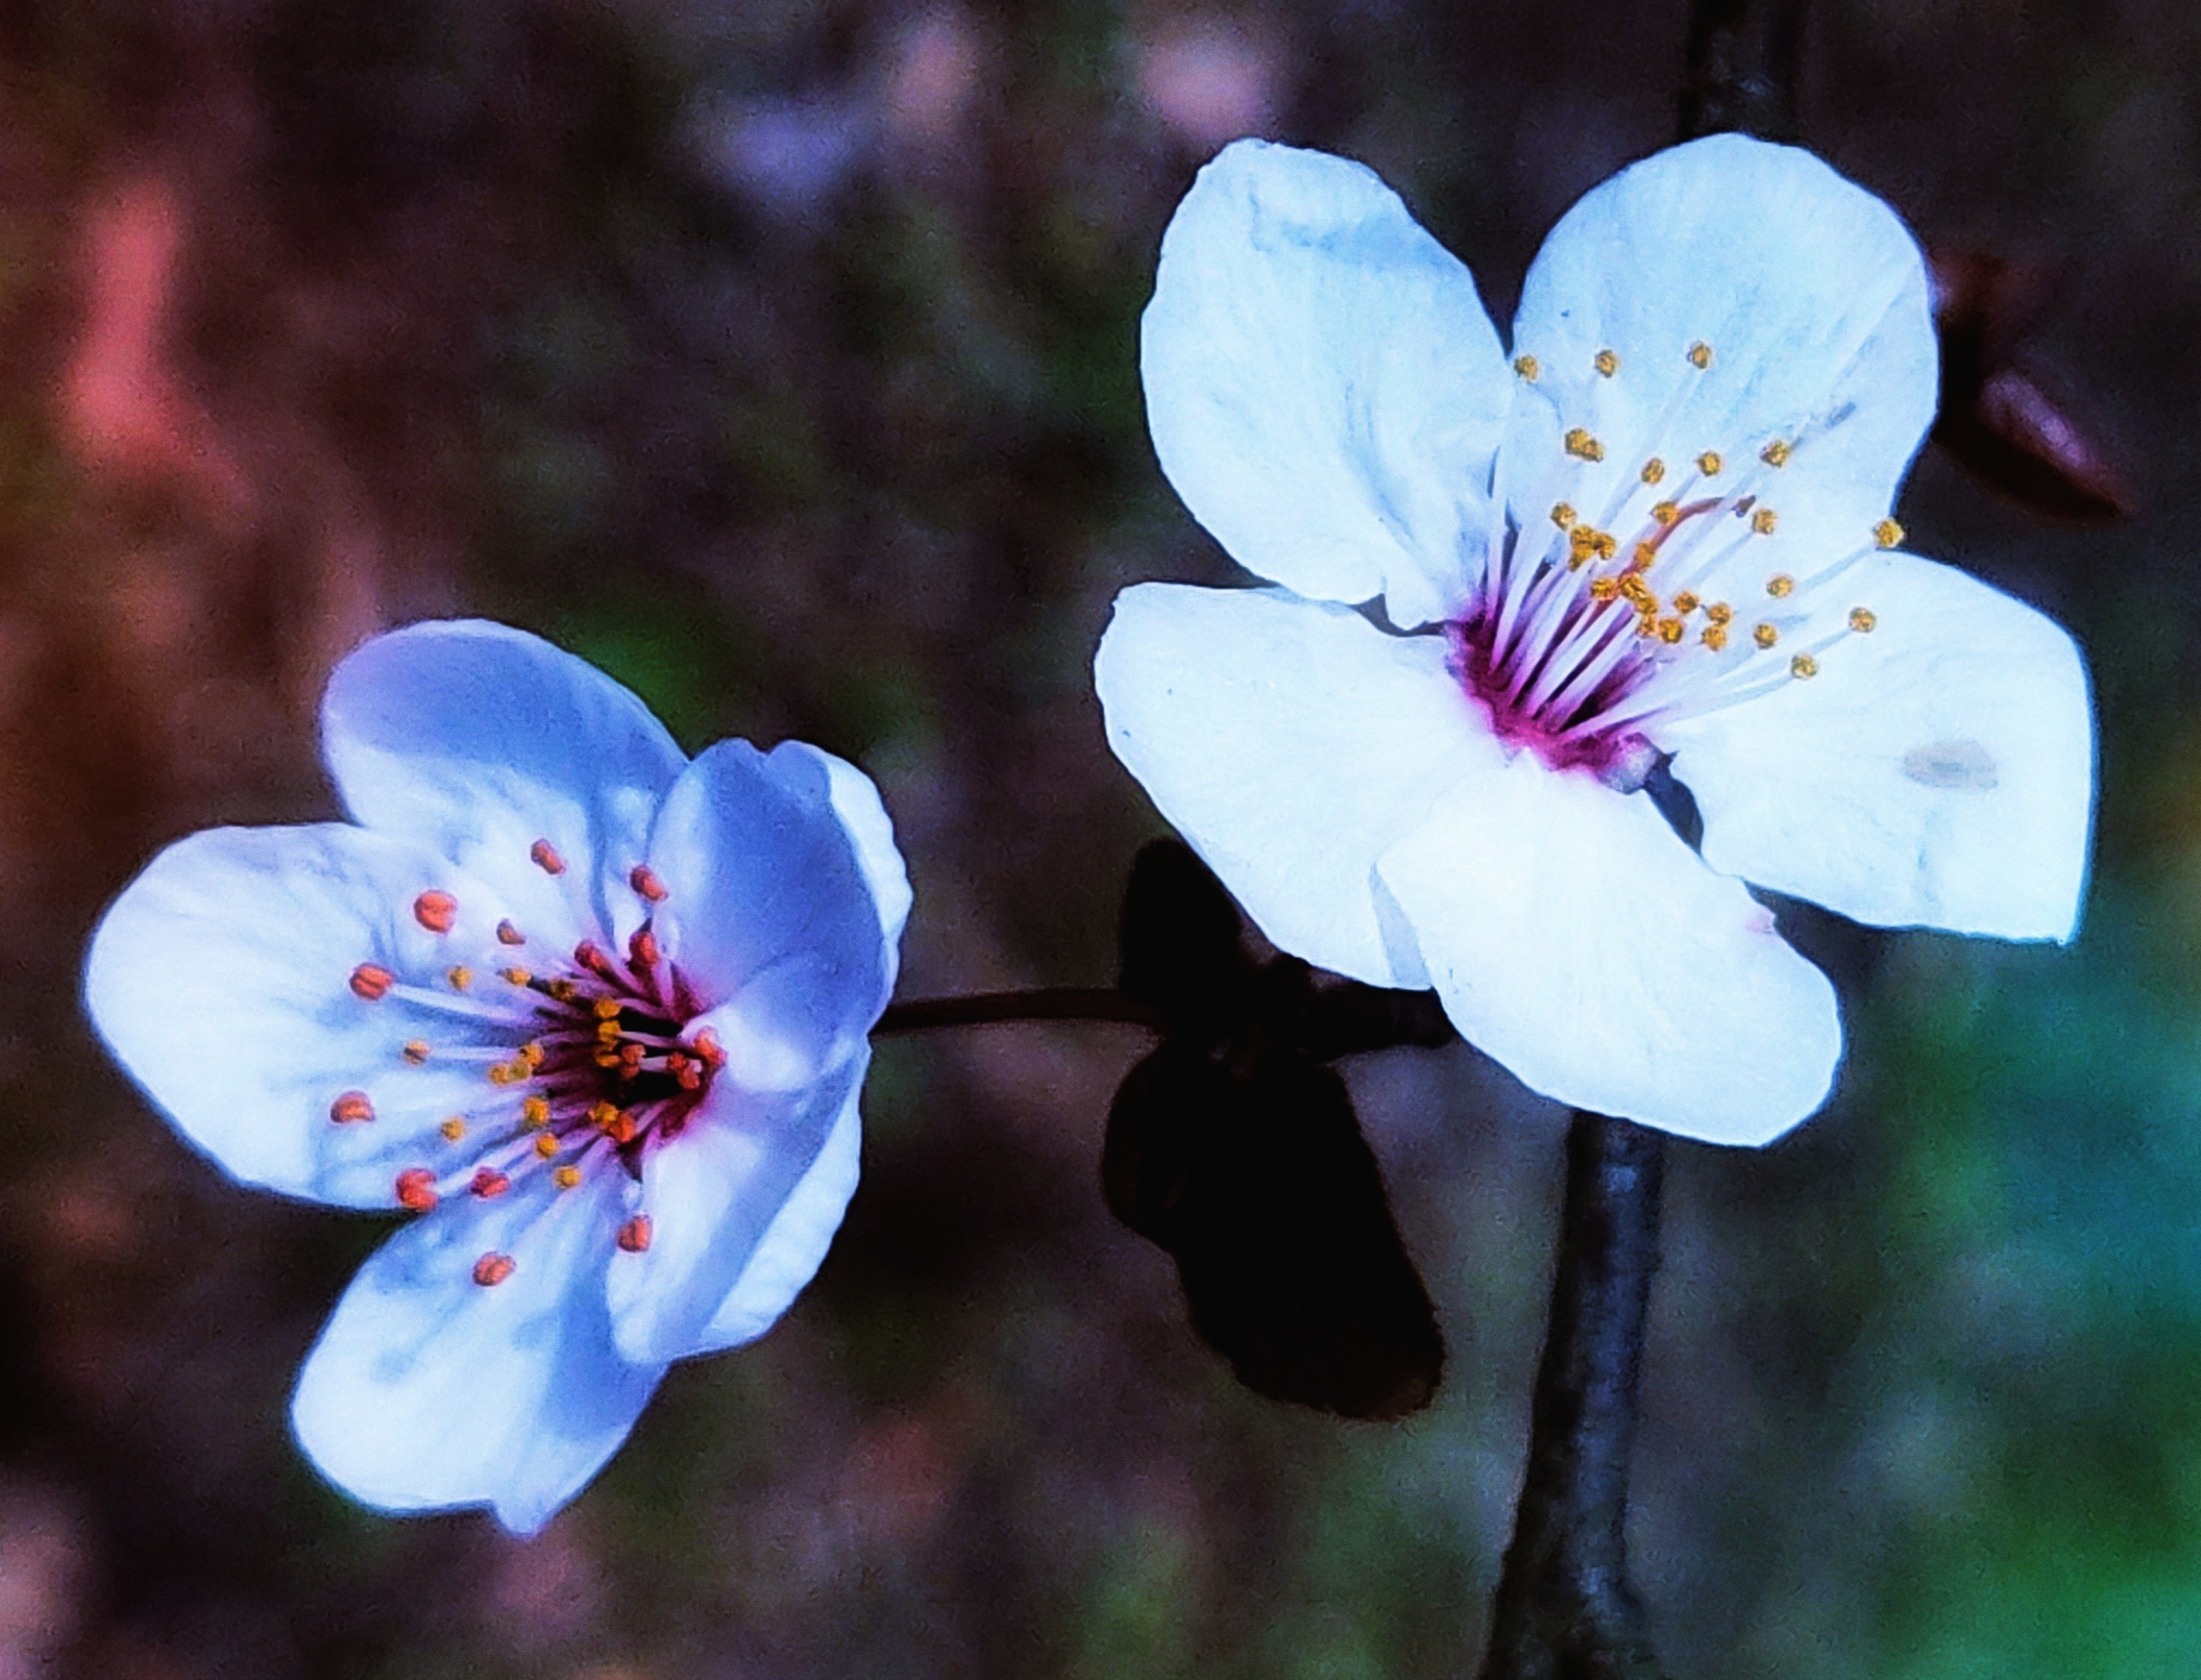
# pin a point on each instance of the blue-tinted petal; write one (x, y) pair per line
(428, 1390)
(222, 980)
(482, 740)
(741, 1206)
(772, 912)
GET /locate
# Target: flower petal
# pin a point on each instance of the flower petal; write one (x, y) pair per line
(1323, 385)
(428, 1390)
(220, 979)
(482, 740)
(1291, 743)
(741, 1206)
(1938, 771)
(773, 914)
(1574, 938)
(1810, 299)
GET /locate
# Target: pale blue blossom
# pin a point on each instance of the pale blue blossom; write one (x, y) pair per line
(1505, 590)
(598, 1013)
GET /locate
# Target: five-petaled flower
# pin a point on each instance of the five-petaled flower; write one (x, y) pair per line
(597, 1015)
(1655, 540)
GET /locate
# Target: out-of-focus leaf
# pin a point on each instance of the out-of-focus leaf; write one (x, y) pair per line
(1250, 1170)
(1995, 417)
(1182, 952)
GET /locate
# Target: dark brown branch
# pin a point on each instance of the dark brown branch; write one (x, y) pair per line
(1564, 1609)
(1044, 1003)
(1745, 58)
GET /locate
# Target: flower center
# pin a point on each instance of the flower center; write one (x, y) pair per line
(584, 1058)
(1584, 635)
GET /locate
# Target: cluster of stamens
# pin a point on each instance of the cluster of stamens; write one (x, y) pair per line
(589, 1058)
(1584, 633)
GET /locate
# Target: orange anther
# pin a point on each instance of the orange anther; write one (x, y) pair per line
(630, 1059)
(643, 879)
(707, 1046)
(590, 956)
(545, 1145)
(436, 911)
(546, 858)
(416, 1050)
(372, 981)
(566, 1177)
(642, 950)
(489, 1182)
(634, 1234)
(453, 1129)
(507, 934)
(416, 1189)
(620, 1127)
(492, 1269)
(351, 1108)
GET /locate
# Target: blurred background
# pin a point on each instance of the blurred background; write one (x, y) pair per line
(780, 357)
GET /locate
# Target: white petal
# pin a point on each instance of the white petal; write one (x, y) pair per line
(1574, 938)
(1811, 296)
(427, 1389)
(482, 740)
(1323, 385)
(773, 911)
(1291, 743)
(220, 980)
(722, 1199)
(1938, 771)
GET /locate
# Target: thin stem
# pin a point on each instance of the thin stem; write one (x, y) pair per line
(1564, 1608)
(1044, 1003)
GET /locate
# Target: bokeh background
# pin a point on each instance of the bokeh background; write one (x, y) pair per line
(780, 357)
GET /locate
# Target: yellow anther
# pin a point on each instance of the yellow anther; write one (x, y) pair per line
(1563, 514)
(1714, 636)
(1642, 556)
(453, 1129)
(1528, 368)
(564, 990)
(1581, 444)
(1686, 602)
(507, 1072)
(1862, 619)
(602, 1113)
(1803, 666)
(1653, 470)
(1765, 636)
(515, 977)
(1700, 356)
(1888, 533)
(607, 1032)
(1780, 585)
(1607, 363)
(1709, 463)
(535, 1111)
(545, 1145)
(416, 1050)
(566, 1178)
(1646, 624)
(460, 977)
(1777, 453)
(1719, 612)
(607, 1008)
(531, 1054)
(1603, 589)
(1601, 544)
(1763, 521)
(1666, 513)
(1637, 593)
(1669, 631)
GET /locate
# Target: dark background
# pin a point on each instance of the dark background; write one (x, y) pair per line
(781, 358)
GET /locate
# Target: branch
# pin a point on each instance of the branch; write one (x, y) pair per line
(1564, 1606)
(1044, 1003)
